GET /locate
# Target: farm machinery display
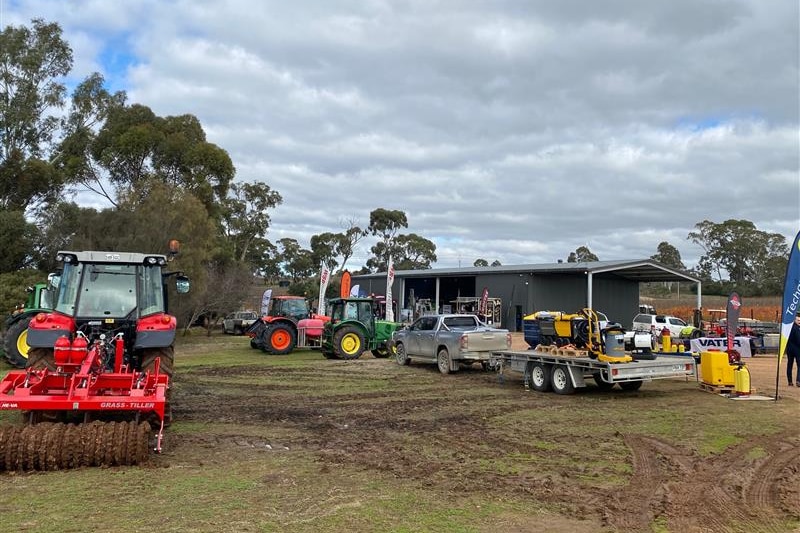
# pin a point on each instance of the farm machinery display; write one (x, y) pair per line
(15, 341)
(353, 329)
(582, 331)
(99, 366)
(288, 324)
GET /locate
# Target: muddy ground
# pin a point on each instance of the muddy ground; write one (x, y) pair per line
(301, 443)
(588, 459)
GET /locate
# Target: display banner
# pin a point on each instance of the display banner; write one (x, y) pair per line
(705, 344)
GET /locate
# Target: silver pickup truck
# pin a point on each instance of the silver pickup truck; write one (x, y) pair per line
(448, 341)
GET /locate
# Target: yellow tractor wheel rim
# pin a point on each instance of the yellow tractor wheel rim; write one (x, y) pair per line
(350, 343)
(22, 343)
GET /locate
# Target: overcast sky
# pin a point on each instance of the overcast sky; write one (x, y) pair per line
(508, 130)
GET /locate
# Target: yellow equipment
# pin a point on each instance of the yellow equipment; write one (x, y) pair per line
(715, 369)
(583, 331)
(741, 380)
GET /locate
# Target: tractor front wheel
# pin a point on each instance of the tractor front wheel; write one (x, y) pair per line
(349, 343)
(381, 351)
(279, 339)
(15, 344)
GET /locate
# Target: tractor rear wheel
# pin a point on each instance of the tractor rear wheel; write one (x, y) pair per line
(279, 339)
(166, 357)
(15, 343)
(39, 358)
(348, 342)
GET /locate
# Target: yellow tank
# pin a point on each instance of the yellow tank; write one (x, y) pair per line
(741, 377)
(716, 370)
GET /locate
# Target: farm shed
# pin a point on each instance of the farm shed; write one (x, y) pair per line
(608, 286)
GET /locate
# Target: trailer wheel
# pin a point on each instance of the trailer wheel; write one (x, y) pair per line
(443, 361)
(15, 344)
(602, 385)
(349, 342)
(540, 377)
(39, 358)
(400, 354)
(280, 339)
(631, 385)
(166, 357)
(561, 380)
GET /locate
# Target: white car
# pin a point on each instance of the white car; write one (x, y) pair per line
(645, 322)
(238, 322)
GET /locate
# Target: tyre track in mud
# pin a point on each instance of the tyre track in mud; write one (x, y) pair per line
(377, 430)
(726, 494)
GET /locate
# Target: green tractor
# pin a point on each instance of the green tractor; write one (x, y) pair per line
(353, 329)
(15, 343)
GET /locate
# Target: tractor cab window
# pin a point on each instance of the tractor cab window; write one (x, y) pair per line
(68, 288)
(151, 298)
(107, 290)
(365, 313)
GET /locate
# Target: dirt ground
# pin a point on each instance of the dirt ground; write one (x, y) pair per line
(435, 431)
(369, 445)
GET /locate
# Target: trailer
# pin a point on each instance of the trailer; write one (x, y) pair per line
(563, 371)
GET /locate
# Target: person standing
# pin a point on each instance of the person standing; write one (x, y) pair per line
(793, 351)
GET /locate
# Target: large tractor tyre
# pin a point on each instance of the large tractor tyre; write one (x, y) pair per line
(166, 357)
(15, 343)
(348, 342)
(279, 339)
(400, 354)
(443, 361)
(41, 358)
(540, 377)
(560, 380)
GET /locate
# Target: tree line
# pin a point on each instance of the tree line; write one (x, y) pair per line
(161, 179)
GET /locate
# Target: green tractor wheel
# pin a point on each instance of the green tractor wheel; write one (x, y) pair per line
(15, 344)
(349, 342)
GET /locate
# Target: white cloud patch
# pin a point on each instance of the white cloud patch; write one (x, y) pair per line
(508, 131)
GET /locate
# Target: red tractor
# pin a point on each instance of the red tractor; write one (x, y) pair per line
(104, 352)
(287, 325)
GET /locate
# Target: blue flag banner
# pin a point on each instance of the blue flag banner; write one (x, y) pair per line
(791, 302)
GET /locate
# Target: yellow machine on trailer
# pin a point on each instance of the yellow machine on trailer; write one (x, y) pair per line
(582, 330)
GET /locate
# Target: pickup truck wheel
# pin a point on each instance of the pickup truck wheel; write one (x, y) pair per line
(540, 377)
(349, 343)
(560, 380)
(602, 385)
(400, 354)
(631, 385)
(443, 361)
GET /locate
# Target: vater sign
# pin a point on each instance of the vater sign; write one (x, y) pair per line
(704, 344)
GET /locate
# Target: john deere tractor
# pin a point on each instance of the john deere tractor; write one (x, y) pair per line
(354, 329)
(15, 341)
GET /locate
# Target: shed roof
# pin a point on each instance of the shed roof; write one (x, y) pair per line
(643, 270)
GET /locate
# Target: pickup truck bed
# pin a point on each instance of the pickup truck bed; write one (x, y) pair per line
(563, 374)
